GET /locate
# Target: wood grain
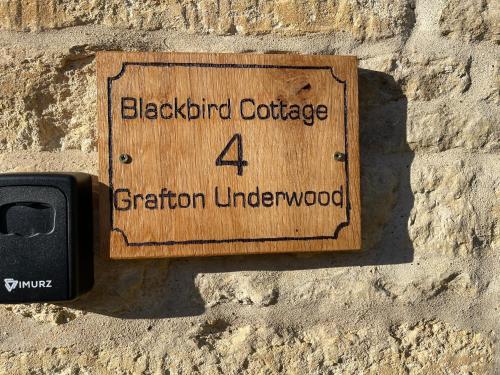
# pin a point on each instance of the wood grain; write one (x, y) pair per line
(297, 195)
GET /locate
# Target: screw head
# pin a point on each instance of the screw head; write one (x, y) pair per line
(125, 158)
(339, 156)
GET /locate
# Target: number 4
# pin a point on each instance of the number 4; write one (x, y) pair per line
(240, 163)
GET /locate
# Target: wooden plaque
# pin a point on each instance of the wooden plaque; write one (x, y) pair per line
(212, 154)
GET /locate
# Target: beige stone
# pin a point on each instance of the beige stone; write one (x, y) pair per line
(426, 77)
(249, 289)
(381, 20)
(436, 348)
(495, 212)
(449, 126)
(216, 347)
(471, 20)
(45, 313)
(31, 15)
(48, 101)
(492, 92)
(70, 160)
(445, 218)
(419, 286)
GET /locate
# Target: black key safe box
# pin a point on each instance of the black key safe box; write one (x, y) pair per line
(45, 237)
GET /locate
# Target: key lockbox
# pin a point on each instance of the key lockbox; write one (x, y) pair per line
(45, 237)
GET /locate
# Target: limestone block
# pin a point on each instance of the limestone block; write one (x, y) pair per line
(425, 77)
(259, 289)
(378, 20)
(450, 125)
(447, 216)
(471, 20)
(215, 347)
(48, 101)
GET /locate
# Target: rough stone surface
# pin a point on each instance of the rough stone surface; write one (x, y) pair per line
(215, 347)
(426, 77)
(472, 20)
(446, 216)
(424, 296)
(442, 128)
(364, 19)
(47, 100)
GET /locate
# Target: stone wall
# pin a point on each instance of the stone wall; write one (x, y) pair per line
(423, 297)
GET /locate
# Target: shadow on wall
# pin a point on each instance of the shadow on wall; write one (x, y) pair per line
(164, 288)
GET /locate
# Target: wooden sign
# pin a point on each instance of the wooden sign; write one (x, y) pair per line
(211, 154)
